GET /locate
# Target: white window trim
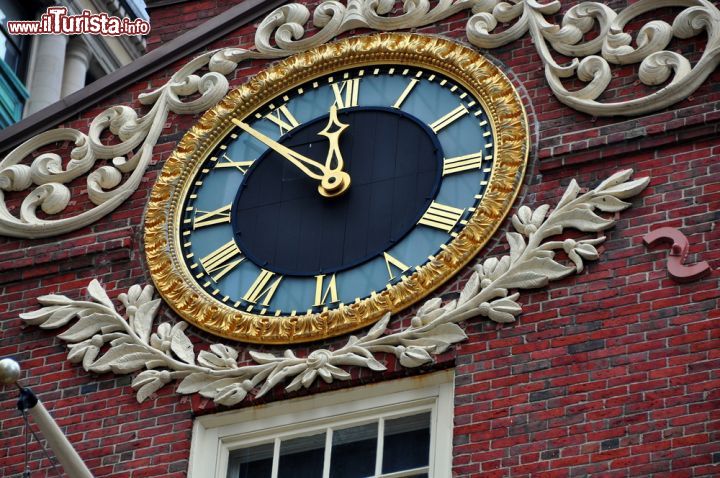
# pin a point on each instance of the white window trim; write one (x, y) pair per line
(214, 436)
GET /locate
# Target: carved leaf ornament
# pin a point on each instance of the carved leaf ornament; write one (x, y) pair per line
(103, 340)
(43, 182)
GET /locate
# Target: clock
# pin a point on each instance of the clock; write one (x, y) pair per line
(338, 185)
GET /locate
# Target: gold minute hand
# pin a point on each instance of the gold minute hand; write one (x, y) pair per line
(302, 162)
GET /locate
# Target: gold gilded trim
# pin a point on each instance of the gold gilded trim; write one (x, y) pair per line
(479, 76)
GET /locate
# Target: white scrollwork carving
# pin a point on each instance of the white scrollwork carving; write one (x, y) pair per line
(168, 354)
(612, 44)
(283, 33)
(105, 185)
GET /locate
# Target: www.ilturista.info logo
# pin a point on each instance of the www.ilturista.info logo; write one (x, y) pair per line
(56, 21)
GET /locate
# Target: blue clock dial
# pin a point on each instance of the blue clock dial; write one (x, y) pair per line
(404, 154)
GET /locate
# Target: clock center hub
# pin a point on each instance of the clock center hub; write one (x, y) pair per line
(334, 184)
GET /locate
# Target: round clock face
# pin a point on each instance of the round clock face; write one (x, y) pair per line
(348, 194)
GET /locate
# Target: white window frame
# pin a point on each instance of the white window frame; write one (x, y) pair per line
(215, 436)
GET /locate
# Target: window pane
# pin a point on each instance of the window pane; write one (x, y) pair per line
(407, 443)
(302, 457)
(254, 462)
(13, 47)
(353, 452)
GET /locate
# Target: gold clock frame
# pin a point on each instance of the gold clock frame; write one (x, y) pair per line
(463, 65)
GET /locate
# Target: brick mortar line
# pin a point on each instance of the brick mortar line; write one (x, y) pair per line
(647, 136)
(654, 124)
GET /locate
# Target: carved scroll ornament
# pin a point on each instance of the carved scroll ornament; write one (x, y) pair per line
(43, 182)
(103, 340)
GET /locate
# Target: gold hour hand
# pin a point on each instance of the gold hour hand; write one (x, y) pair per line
(311, 168)
(334, 140)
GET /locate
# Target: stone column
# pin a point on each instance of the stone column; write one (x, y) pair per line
(46, 72)
(77, 60)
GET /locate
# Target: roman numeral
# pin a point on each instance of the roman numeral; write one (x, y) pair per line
(449, 118)
(283, 118)
(346, 94)
(405, 93)
(441, 216)
(391, 261)
(208, 218)
(260, 290)
(222, 260)
(331, 290)
(462, 163)
(226, 162)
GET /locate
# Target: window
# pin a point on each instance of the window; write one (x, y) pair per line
(13, 59)
(396, 429)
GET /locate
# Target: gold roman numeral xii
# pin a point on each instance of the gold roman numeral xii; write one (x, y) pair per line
(346, 93)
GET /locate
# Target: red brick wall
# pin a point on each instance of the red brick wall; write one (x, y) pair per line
(169, 21)
(612, 372)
